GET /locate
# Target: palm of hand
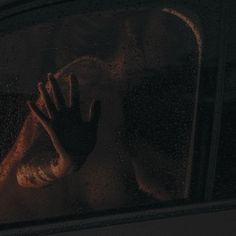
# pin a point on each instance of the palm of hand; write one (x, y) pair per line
(76, 136)
(70, 135)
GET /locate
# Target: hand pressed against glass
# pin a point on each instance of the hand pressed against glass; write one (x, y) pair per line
(72, 137)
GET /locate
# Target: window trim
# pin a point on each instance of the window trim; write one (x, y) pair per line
(218, 108)
(72, 224)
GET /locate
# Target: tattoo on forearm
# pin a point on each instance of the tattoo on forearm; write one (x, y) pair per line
(29, 175)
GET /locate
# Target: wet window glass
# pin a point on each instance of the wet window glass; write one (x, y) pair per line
(110, 127)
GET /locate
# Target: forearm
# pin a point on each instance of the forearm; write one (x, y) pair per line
(33, 175)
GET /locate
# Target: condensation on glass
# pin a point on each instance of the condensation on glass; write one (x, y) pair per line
(143, 66)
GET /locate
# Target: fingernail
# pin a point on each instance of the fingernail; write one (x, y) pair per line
(40, 84)
(72, 76)
(50, 76)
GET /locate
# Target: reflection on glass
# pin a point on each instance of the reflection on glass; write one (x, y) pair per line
(129, 149)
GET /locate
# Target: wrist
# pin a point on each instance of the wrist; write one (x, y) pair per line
(72, 162)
